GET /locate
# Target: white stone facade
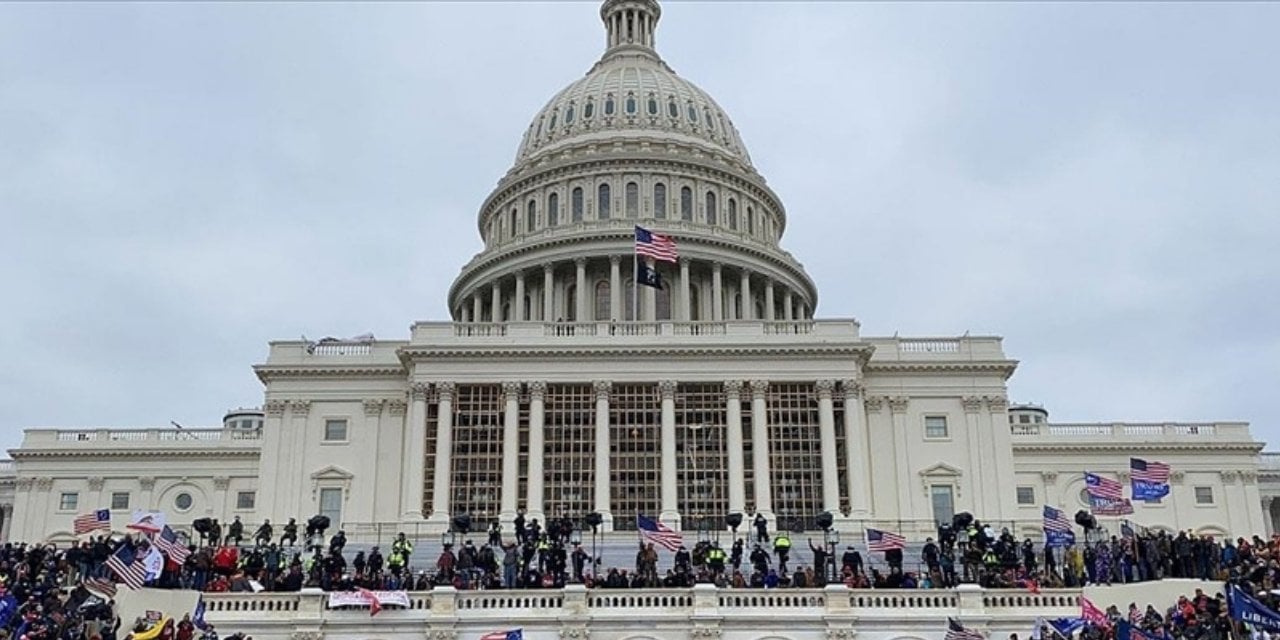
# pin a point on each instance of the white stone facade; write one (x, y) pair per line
(551, 392)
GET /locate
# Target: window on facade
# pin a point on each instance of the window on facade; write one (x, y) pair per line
(120, 500)
(633, 200)
(1026, 495)
(631, 105)
(68, 501)
(660, 201)
(940, 497)
(553, 210)
(602, 202)
(331, 505)
(653, 106)
(693, 114)
(795, 462)
(576, 203)
(733, 214)
(711, 123)
(608, 106)
(476, 460)
(246, 500)
(1204, 495)
(1024, 419)
(935, 427)
(570, 448)
(686, 203)
(751, 221)
(702, 455)
(603, 300)
(568, 115)
(551, 126)
(531, 217)
(512, 222)
(711, 208)
(695, 304)
(588, 110)
(335, 430)
(673, 110)
(635, 435)
(571, 303)
(183, 501)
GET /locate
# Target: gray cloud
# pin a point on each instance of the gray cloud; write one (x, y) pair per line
(181, 183)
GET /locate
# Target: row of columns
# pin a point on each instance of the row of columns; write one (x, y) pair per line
(855, 431)
(473, 310)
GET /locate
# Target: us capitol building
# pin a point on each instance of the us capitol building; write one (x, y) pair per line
(550, 391)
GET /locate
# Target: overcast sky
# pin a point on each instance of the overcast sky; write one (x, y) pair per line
(1099, 183)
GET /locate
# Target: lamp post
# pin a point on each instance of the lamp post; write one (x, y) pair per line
(832, 539)
(448, 538)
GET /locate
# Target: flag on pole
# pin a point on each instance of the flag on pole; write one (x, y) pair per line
(154, 562)
(514, 634)
(169, 543)
(99, 520)
(655, 245)
(649, 277)
(956, 631)
(1066, 627)
(1092, 614)
(1057, 529)
(125, 564)
(146, 521)
(659, 534)
(1148, 479)
(1100, 487)
(1245, 608)
(101, 586)
(878, 540)
(375, 603)
(1110, 507)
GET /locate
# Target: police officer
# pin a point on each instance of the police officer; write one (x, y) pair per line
(782, 547)
(715, 558)
(290, 533)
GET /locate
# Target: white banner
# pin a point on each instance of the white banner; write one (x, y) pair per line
(358, 599)
(147, 521)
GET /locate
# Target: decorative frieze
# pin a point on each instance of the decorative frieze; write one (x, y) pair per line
(511, 390)
(667, 388)
(275, 408)
(397, 408)
(575, 632)
(759, 388)
(95, 483)
(221, 483)
(24, 484)
(602, 389)
(373, 408)
(537, 390)
(44, 484)
(147, 483)
(874, 404)
(824, 388)
(997, 404)
(418, 391)
(1176, 477)
(446, 390)
(733, 389)
(972, 404)
(841, 634)
(853, 387)
(300, 408)
(898, 404)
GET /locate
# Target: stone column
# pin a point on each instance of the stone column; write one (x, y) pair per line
(510, 451)
(670, 501)
(737, 464)
(788, 312)
(6, 512)
(413, 454)
(768, 300)
(717, 293)
(686, 300)
(580, 291)
(602, 498)
(616, 310)
(760, 448)
(477, 307)
(444, 452)
(649, 298)
(533, 502)
(980, 476)
(898, 407)
(495, 304)
(299, 411)
(548, 294)
(747, 309)
(1268, 520)
(518, 303)
(857, 452)
(1001, 441)
(464, 311)
(827, 437)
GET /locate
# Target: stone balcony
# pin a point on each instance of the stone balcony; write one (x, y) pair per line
(701, 612)
(1208, 432)
(139, 439)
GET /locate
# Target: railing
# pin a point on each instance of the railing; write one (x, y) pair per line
(479, 329)
(1270, 461)
(911, 345)
(1094, 430)
(158, 434)
(342, 349)
(6, 466)
(788, 327)
(747, 329)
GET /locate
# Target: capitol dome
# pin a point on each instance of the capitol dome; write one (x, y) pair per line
(631, 144)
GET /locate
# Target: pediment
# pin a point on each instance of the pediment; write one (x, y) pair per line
(941, 470)
(332, 472)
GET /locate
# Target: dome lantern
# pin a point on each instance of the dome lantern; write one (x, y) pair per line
(630, 23)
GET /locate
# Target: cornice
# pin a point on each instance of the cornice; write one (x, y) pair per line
(411, 354)
(959, 367)
(133, 453)
(1122, 446)
(266, 373)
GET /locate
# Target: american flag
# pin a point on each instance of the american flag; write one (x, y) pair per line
(956, 631)
(1100, 487)
(878, 540)
(168, 542)
(125, 564)
(1153, 472)
(655, 245)
(659, 534)
(99, 520)
(1092, 614)
(1055, 519)
(102, 586)
(514, 634)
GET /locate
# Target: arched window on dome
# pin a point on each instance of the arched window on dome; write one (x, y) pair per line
(633, 200)
(737, 307)
(631, 104)
(531, 216)
(711, 123)
(528, 307)
(712, 218)
(551, 126)
(693, 113)
(608, 105)
(571, 303)
(577, 204)
(603, 300)
(568, 114)
(733, 214)
(660, 201)
(538, 133)
(673, 110)
(686, 203)
(588, 109)
(653, 105)
(751, 221)
(695, 303)
(553, 210)
(513, 222)
(602, 202)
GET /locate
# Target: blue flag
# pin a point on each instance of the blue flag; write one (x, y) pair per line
(1148, 491)
(1066, 626)
(1126, 631)
(1245, 608)
(8, 607)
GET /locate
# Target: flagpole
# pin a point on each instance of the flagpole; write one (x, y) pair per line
(635, 286)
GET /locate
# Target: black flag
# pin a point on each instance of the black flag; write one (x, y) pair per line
(649, 277)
